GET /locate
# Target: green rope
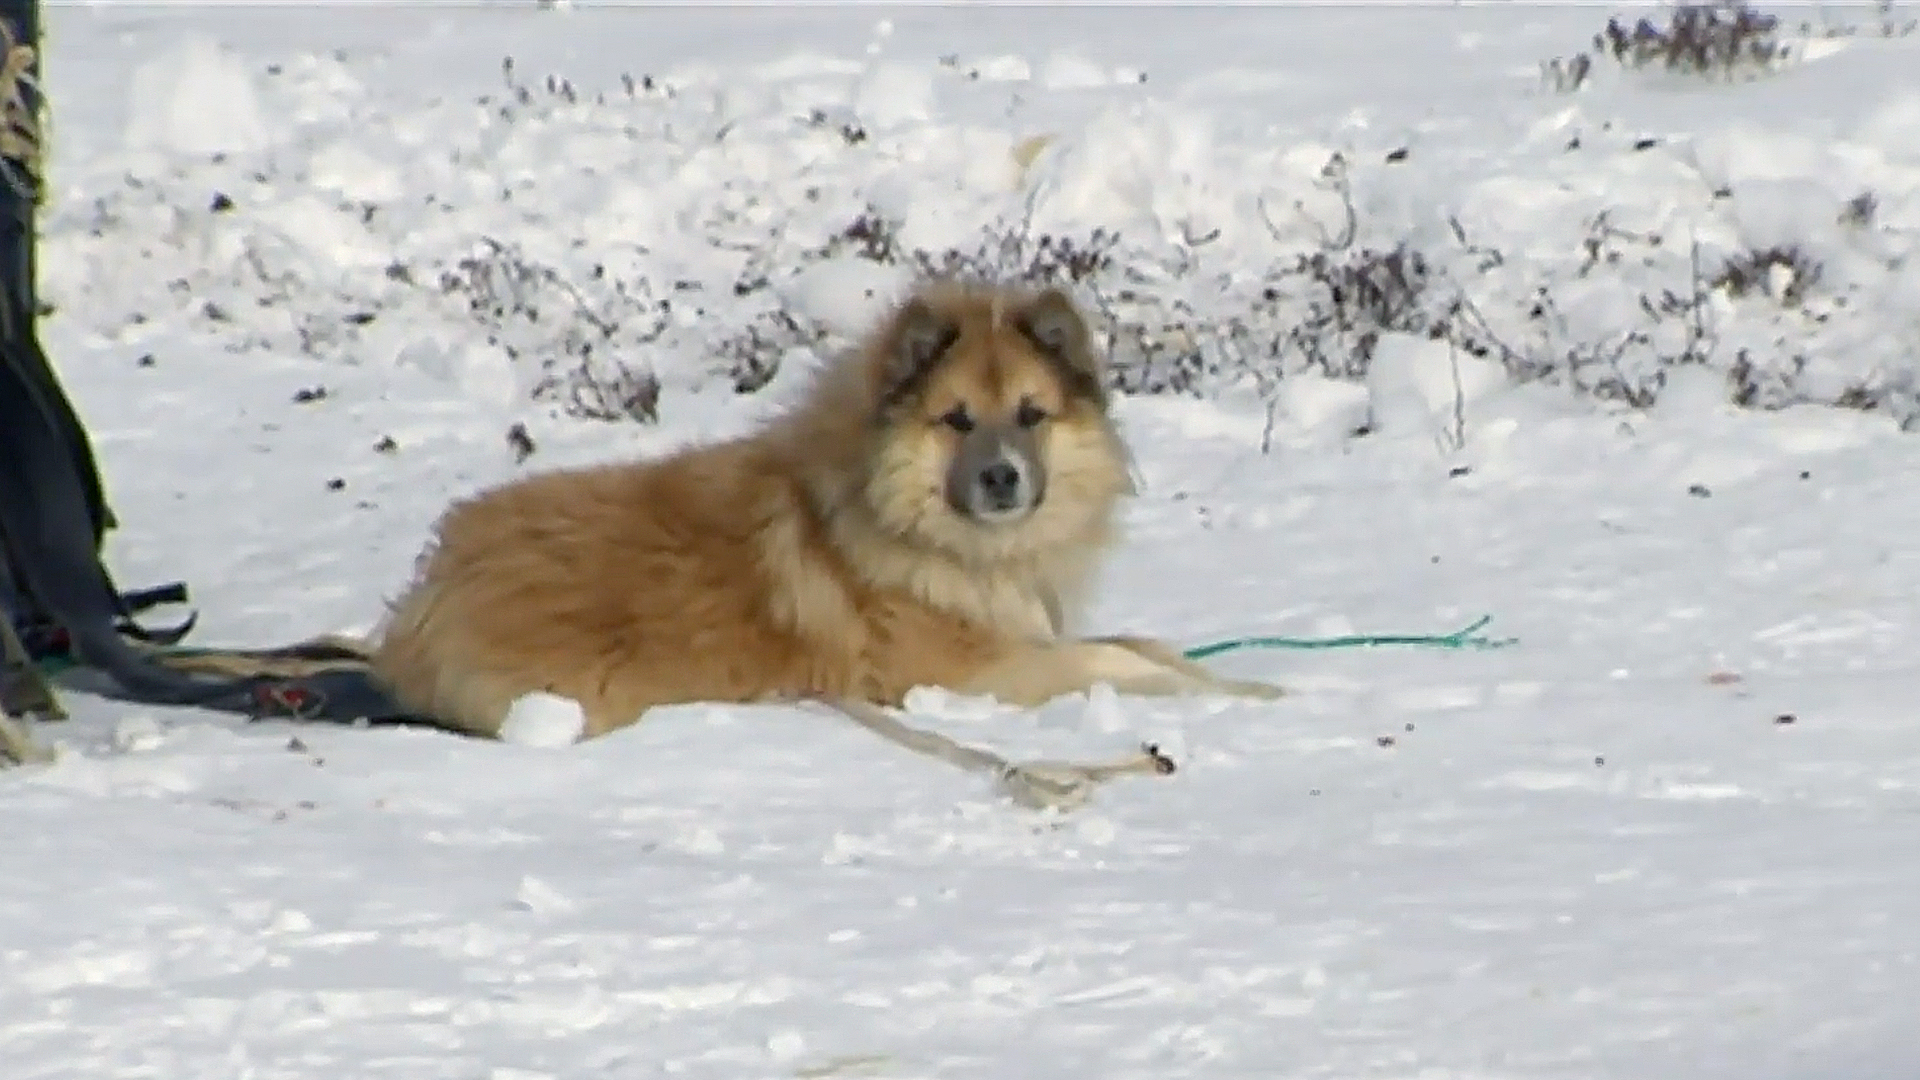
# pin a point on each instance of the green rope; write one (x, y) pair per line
(1463, 638)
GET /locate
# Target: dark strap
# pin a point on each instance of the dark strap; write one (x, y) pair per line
(340, 694)
(44, 637)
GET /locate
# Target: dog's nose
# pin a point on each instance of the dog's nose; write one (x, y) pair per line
(1000, 483)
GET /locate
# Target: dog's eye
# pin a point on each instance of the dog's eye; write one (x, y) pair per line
(958, 420)
(1029, 415)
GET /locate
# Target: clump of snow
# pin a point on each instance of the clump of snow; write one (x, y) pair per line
(354, 174)
(1104, 711)
(786, 1046)
(289, 921)
(1893, 127)
(941, 703)
(196, 98)
(1072, 71)
(844, 295)
(541, 898)
(1311, 402)
(542, 719)
(138, 733)
(1422, 386)
(1002, 69)
(893, 95)
(1140, 163)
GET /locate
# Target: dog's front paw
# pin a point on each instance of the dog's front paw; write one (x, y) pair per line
(1044, 785)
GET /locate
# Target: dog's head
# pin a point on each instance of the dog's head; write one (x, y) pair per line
(991, 408)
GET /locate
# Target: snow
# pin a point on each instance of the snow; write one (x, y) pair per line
(196, 98)
(542, 719)
(1666, 834)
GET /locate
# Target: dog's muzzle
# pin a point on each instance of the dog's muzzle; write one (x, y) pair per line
(995, 478)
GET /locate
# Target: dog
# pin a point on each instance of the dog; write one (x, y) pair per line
(930, 513)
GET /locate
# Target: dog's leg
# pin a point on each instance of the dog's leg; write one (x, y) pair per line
(1162, 653)
(1037, 785)
(1037, 674)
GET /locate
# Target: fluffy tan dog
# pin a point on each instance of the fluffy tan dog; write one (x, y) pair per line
(928, 515)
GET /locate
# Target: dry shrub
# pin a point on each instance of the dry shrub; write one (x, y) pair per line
(1720, 37)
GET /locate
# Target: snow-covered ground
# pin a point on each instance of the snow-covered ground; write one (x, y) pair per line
(1668, 835)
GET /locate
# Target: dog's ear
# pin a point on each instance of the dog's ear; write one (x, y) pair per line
(1052, 321)
(917, 340)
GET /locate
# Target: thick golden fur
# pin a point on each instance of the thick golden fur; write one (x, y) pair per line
(813, 558)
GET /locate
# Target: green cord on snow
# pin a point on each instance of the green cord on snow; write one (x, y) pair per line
(1463, 638)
